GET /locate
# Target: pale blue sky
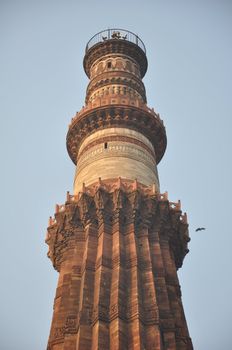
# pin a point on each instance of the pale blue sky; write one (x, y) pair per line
(42, 85)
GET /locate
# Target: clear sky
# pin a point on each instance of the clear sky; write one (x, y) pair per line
(42, 85)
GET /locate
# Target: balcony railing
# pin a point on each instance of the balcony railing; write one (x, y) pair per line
(115, 34)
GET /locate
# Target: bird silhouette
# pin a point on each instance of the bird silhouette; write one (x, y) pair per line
(200, 229)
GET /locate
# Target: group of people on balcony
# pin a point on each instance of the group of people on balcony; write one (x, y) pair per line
(115, 35)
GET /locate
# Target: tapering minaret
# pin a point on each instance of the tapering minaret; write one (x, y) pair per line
(117, 242)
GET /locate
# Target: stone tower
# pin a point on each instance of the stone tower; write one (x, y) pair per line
(117, 242)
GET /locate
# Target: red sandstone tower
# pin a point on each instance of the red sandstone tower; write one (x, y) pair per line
(117, 242)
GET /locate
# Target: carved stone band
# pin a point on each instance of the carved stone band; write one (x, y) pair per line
(106, 139)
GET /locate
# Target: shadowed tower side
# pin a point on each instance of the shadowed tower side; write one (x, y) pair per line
(117, 242)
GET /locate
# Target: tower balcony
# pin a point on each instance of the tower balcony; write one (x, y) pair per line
(115, 34)
(106, 113)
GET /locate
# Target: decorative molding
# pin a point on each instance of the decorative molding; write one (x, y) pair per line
(122, 84)
(103, 139)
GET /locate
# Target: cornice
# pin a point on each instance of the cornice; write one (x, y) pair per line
(139, 119)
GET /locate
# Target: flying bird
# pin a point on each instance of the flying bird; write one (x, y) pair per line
(200, 229)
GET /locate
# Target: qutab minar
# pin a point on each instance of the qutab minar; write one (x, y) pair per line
(117, 242)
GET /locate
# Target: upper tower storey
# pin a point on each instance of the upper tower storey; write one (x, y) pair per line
(116, 134)
(115, 61)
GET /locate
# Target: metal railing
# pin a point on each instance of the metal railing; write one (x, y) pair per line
(115, 34)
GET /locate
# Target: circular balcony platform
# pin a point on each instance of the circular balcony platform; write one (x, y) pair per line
(143, 120)
(115, 34)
